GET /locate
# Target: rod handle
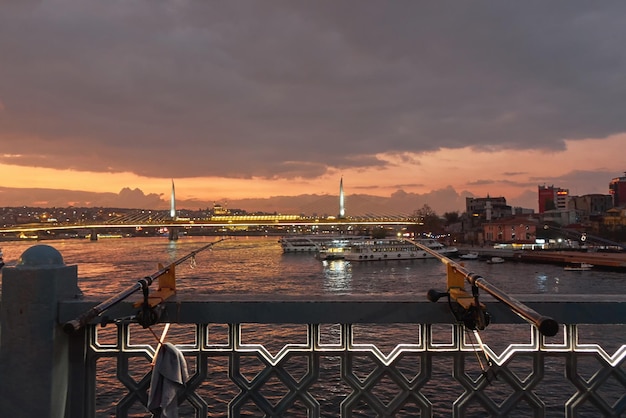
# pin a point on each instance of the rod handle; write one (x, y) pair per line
(71, 327)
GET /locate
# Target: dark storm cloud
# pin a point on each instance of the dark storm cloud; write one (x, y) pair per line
(285, 89)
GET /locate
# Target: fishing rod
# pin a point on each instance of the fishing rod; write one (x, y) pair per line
(475, 315)
(167, 288)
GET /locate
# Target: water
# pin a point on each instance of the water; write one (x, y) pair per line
(256, 265)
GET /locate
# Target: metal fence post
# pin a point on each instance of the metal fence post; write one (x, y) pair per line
(34, 360)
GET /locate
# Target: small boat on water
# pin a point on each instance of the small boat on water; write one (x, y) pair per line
(378, 249)
(578, 267)
(469, 256)
(1, 259)
(495, 260)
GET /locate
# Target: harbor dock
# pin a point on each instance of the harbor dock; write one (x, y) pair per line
(609, 260)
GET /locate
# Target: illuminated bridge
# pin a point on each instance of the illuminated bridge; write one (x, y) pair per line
(140, 222)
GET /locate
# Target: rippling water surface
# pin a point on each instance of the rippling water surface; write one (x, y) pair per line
(256, 265)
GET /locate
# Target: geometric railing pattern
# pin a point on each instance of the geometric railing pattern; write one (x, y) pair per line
(362, 370)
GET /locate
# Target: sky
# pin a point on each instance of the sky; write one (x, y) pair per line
(268, 105)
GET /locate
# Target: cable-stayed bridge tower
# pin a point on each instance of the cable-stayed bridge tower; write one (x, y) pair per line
(342, 208)
(173, 232)
(173, 202)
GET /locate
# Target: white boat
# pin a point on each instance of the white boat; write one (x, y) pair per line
(380, 249)
(435, 245)
(495, 260)
(469, 256)
(578, 267)
(314, 243)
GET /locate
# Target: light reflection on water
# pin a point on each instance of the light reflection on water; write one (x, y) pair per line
(254, 265)
(337, 276)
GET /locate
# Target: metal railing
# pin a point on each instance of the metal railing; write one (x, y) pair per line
(357, 357)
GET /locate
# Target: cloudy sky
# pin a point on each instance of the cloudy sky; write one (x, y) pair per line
(105, 102)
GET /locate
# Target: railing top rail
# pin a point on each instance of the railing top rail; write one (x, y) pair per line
(224, 308)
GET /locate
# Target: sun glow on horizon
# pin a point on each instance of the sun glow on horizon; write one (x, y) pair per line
(478, 172)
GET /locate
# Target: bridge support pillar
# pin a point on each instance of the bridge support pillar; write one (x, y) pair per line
(173, 234)
(94, 235)
(34, 360)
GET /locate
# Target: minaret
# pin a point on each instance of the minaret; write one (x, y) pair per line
(173, 203)
(342, 209)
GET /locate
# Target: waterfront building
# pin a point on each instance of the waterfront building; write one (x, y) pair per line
(617, 189)
(561, 217)
(487, 208)
(615, 219)
(590, 205)
(480, 210)
(520, 230)
(551, 198)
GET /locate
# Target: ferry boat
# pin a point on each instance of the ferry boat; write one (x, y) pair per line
(393, 249)
(315, 243)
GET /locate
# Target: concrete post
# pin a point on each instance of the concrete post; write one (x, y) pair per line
(34, 361)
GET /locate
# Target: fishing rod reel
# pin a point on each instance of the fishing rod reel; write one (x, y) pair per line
(469, 311)
(466, 308)
(149, 313)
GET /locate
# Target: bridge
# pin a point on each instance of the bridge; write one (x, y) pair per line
(278, 223)
(170, 222)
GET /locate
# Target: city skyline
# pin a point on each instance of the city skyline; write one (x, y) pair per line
(267, 106)
(326, 205)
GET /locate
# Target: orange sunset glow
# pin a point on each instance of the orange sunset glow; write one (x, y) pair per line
(107, 105)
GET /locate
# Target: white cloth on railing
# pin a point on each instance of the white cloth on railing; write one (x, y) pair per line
(168, 377)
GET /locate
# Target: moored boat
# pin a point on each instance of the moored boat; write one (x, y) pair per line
(495, 260)
(578, 267)
(377, 249)
(469, 256)
(314, 243)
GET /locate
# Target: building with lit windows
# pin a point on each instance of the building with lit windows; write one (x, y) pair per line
(617, 189)
(521, 230)
(484, 209)
(551, 198)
